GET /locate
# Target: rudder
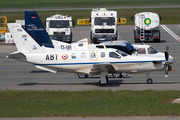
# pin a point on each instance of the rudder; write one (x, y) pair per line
(34, 27)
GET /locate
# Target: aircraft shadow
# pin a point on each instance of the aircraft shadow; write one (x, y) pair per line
(39, 71)
(111, 83)
(151, 41)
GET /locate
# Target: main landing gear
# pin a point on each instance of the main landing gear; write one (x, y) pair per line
(82, 75)
(149, 80)
(104, 78)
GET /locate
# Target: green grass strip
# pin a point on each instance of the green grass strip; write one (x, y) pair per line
(88, 103)
(168, 15)
(80, 3)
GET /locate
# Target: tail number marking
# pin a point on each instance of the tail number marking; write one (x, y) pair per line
(51, 57)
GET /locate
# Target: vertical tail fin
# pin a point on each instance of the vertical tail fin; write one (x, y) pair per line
(34, 27)
(24, 42)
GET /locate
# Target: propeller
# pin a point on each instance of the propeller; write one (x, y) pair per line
(166, 65)
(166, 53)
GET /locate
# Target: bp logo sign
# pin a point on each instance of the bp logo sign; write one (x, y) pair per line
(147, 21)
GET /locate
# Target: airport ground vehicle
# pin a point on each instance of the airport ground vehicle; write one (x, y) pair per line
(3, 27)
(59, 27)
(103, 25)
(146, 26)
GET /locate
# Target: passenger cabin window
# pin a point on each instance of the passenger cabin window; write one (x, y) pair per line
(141, 51)
(83, 55)
(80, 45)
(102, 54)
(73, 56)
(113, 55)
(151, 50)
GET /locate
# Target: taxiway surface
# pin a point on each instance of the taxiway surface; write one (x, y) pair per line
(16, 75)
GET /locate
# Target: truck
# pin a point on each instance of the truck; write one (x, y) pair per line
(3, 27)
(59, 27)
(146, 26)
(103, 25)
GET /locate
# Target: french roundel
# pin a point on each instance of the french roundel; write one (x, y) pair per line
(64, 56)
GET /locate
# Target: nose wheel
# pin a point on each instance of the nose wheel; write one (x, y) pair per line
(149, 81)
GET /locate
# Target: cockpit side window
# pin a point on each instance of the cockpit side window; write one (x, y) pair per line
(141, 51)
(151, 50)
(121, 53)
(113, 55)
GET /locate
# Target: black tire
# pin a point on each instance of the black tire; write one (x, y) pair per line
(117, 75)
(91, 36)
(137, 41)
(169, 68)
(156, 40)
(149, 81)
(82, 75)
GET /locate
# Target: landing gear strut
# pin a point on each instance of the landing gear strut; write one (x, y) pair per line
(104, 79)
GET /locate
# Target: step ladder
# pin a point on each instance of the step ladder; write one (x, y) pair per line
(142, 27)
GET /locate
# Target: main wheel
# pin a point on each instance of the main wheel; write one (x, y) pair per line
(156, 40)
(169, 68)
(149, 81)
(117, 75)
(82, 75)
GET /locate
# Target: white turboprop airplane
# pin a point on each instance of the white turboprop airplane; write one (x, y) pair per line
(89, 61)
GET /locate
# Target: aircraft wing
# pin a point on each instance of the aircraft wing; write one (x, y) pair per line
(98, 68)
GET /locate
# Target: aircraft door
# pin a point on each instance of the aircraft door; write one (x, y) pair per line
(93, 55)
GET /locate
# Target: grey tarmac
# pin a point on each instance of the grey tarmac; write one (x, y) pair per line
(16, 75)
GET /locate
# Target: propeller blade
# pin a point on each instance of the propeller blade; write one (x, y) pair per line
(167, 48)
(166, 70)
(166, 63)
(166, 56)
(166, 53)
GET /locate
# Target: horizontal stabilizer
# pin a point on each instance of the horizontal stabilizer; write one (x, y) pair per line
(17, 55)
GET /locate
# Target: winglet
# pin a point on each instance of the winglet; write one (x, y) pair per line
(35, 28)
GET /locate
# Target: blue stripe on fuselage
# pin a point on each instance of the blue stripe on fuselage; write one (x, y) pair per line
(97, 63)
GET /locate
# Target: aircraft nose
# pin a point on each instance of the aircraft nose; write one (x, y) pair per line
(171, 59)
